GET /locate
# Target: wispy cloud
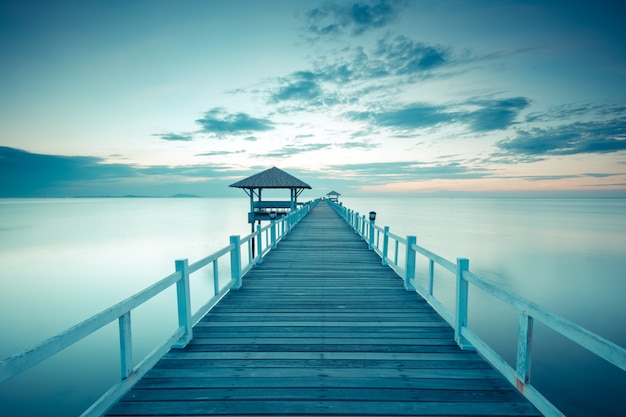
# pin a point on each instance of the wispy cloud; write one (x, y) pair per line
(174, 137)
(569, 139)
(406, 56)
(219, 122)
(301, 85)
(495, 114)
(295, 149)
(385, 172)
(485, 115)
(221, 153)
(351, 17)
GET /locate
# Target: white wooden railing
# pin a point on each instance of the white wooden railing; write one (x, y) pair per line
(464, 337)
(265, 237)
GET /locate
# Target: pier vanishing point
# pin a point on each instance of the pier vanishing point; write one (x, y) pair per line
(322, 328)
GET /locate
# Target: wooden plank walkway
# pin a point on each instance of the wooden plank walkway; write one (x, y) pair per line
(321, 328)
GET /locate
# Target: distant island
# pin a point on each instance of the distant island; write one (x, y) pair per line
(139, 196)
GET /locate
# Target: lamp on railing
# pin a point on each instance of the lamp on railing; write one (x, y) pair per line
(272, 215)
(372, 216)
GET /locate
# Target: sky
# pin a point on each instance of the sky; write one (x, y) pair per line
(364, 97)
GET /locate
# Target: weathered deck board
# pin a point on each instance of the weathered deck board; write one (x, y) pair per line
(322, 328)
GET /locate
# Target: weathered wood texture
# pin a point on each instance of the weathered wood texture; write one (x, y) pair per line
(321, 328)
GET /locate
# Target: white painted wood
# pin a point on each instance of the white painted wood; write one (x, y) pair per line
(524, 347)
(409, 269)
(183, 297)
(235, 261)
(461, 303)
(126, 345)
(24, 360)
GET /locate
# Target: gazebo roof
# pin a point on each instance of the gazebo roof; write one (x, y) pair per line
(333, 193)
(271, 178)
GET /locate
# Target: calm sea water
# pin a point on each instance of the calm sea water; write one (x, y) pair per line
(62, 261)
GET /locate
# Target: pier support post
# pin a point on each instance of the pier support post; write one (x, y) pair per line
(524, 347)
(462, 264)
(409, 270)
(235, 261)
(184, 303)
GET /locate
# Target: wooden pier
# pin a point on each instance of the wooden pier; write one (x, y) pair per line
(322, 328)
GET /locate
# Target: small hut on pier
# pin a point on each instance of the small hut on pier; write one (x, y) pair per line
(333, 196)
(273, 178)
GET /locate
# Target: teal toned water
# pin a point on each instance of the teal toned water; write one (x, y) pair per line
(62, 261)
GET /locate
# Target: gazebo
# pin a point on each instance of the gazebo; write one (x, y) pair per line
(333, 196)
(271, 178)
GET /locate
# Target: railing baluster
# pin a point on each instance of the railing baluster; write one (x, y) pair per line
(184, 303)
(126, 345)
(409, 270)
(385, 245)
(431, 277)
(462, 264)
(395, 255)
(273, 233)
(235, 262)
(216, 278)
(524, 348)
(259, 259)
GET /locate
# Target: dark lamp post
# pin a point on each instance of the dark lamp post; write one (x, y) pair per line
(272, 215)
(372, 216)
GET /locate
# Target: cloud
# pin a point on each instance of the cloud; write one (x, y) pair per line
(495, 114)
(357, 145)
(219, 122)
(26, 174)
(290, 150)
(301, 85)
(405, 56)
(570, 139)
(221, 153)
(354, 17)
(413, 116)
(174, 137)
(385, 172)
(489, 115)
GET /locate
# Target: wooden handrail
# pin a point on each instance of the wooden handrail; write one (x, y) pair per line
(130, 374)
(528, 311)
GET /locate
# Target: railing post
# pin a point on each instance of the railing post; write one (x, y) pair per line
(216, 278)
(409, 270)
(524, 348)
(431, 277)
(371, 236)
(184, 303)
(462, 264)
(355, 226)
(385, 245)
(259, 238)
(126, 346)
(273, 233)
(363, 227)
(235, 262)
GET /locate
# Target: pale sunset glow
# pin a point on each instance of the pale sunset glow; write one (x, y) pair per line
(394, 96)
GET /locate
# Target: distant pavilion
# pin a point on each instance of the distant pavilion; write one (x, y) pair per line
(270, 178)
(333, 196)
